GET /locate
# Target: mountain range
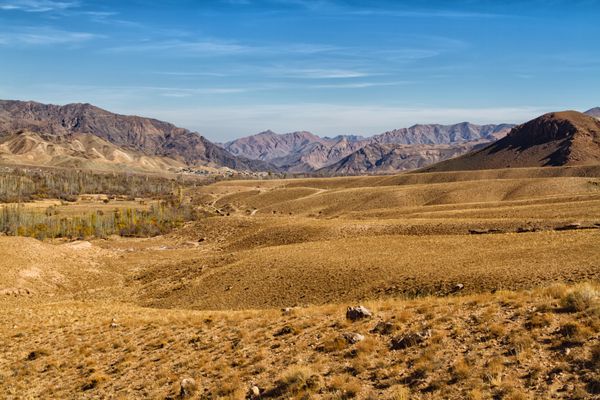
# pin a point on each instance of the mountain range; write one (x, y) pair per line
(395, 150)
(553, 139)
(85, 136)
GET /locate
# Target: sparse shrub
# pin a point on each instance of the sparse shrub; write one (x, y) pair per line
(520, 343)
(538, 321)
(94, 380)
(347, 387)
(580, 298)
(297, 379)
(574, 332)
(333, 344)
(399, 393)
(496, 330)
(461, 370)
(595, 357)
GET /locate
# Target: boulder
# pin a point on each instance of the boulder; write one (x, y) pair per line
(359, 312)
(253, 392)
(188, 388)
(353, 337)
(409, 339)
(383, 328)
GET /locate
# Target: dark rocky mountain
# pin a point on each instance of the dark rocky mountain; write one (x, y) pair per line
(554, 139)
(594, 112)
(132, 134)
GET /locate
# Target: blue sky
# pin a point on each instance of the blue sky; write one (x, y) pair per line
(231, 68)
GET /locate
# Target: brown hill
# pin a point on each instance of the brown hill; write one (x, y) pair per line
(554, 139)
(145, 137)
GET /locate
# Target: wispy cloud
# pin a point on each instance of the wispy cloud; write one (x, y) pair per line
(201, 47)
(433, 13)
(360, 85)
(212, 47)
(37, 6)
(317, 73)
(44, 36)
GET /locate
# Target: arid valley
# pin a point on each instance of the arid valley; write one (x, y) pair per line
(299, 199)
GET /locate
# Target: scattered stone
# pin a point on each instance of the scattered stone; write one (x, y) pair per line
(359, 312)
(286, 330)
(526, 229)
(568, 227)
(484, 231)
(253, 392)
(409, 339)
(383, 328)
(458, 287)
(113, 323)
(188, 388)
(353, 337)
(287, 310)
(228, 288)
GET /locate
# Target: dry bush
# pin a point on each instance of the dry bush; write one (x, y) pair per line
(520, 343)
(333, 344)
(399, 393)
(346, 387)
(297, 379)
(461, 370)
(580, 298)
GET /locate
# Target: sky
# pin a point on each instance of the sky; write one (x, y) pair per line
(231, 68)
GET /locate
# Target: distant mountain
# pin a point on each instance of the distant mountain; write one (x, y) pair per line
(294, 152)
(594, 112)
(304, 152)
(376, 158)
(554, 139)
(442, 134)
(83, 132)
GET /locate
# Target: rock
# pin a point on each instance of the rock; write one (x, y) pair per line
(353, 337)
(409, 339)
(383, 328)
(253, 392)
(458, 287)
(286, 330)
(287, 310)
(113, 323)
(188, 388)
(359, 312)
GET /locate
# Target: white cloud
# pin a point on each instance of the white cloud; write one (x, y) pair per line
(44, 36)
(37, 5)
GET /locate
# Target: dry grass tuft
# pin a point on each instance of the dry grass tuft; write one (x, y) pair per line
(581, 298)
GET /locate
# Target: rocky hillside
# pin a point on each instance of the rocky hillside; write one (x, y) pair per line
(296, 151)
(138, 137)
(554, 139)
(348, 154)
(443, 134)
(376, 158)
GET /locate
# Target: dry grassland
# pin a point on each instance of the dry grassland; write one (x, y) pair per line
(474, 279)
